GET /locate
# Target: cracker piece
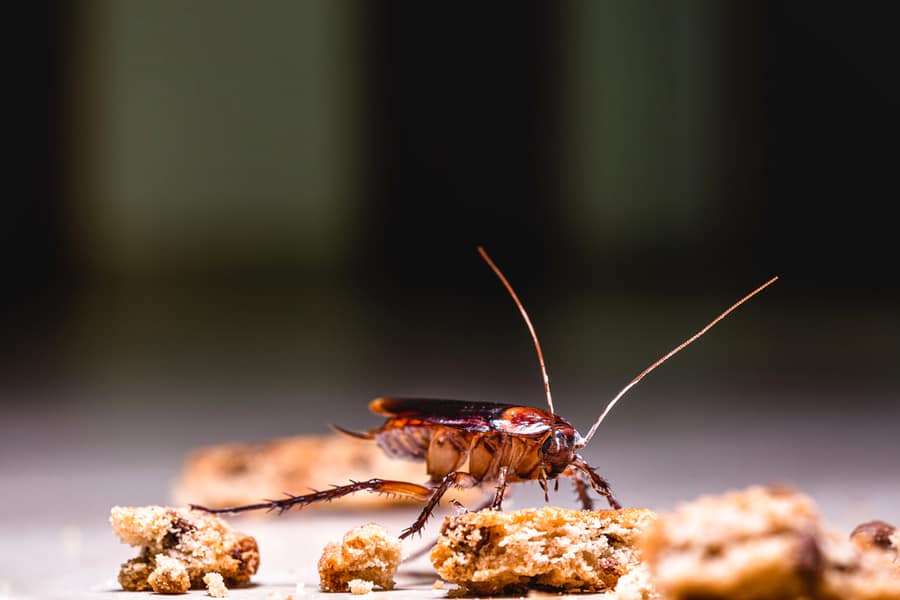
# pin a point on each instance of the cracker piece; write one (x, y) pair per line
(203, 543)
(366, 553)
(549, 548)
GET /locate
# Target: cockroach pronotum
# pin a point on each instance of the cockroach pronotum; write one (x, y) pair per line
(468, 444)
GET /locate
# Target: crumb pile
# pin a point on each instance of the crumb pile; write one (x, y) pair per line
(366, 553)
(492, 552)
(766, 543)
(178, 547)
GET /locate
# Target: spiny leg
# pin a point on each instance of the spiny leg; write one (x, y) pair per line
(581, 488)
(598, 483)
(460, 509)
(454, 478)
(377, 486)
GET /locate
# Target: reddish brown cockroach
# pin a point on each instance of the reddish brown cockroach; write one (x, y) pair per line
(468, 444)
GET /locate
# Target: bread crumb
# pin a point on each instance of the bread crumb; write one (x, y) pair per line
(202, 543)
(366, 552)
(765, 542)
(169, 577)
(360, 586)
(438, 584)
(635, 585)
(278, 596)
(493, 552)
(215, 585)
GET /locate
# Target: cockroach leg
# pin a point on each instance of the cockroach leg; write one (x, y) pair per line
(598, 483)
(377, 486)
(542, 481)
(497, 503)
(461, 510)
(581, 488)
(454, 478)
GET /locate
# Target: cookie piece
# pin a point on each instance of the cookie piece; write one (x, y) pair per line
(761, 543)
(550, 548)
(366, 553)
(200, 542)
(235, 474)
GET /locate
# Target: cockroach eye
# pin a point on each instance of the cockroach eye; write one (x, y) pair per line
(556, 443)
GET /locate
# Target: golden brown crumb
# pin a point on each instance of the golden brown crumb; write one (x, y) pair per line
(215, 586)
(203, 543)
(169, 576)
(366, 552)
(873, 535)
(636, 584)
(491, 552)
(358, 587)
(761, 543)
(853, 574)
(234, 474)
(438, 584)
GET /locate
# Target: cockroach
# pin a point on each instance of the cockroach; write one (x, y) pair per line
(468, 444)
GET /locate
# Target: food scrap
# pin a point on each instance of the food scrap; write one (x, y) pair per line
(358, 587)
(365, 553)
(493, 552)
(766, 542)
(178, 547)
(215, 585)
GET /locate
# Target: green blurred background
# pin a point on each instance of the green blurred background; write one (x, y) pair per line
(254, 217)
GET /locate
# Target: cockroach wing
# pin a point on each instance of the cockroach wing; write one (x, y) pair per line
(468, 416)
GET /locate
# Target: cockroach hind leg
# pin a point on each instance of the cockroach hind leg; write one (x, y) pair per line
(376, 486)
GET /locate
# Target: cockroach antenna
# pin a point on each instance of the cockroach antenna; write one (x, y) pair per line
(670, 354)
(534, 337)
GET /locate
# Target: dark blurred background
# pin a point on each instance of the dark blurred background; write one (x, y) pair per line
(253, 218)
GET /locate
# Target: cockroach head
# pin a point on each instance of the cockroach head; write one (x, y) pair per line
(558, 449)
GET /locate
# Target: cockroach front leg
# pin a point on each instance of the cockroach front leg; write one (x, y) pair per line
(456, 479)
(581, 488)
(598, 483)
(376, 486)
